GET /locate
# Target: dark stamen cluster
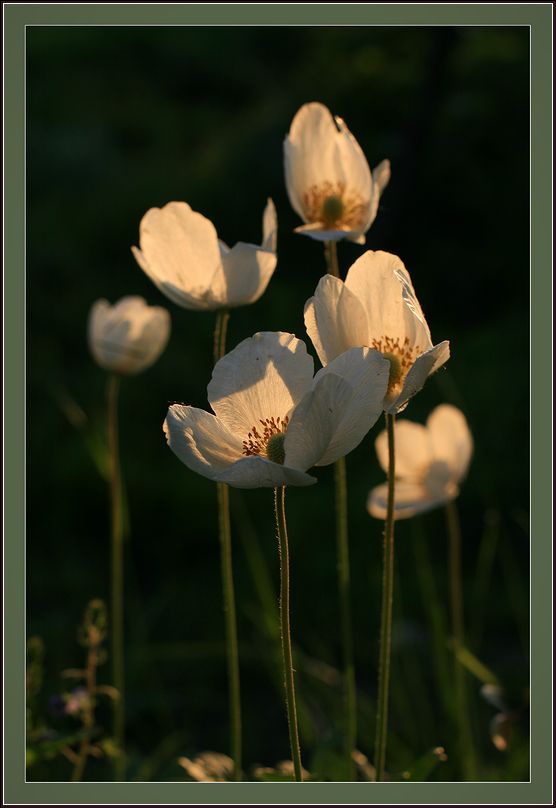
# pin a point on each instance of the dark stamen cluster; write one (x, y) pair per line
(404, 351)
(256, 442)
(348, 210)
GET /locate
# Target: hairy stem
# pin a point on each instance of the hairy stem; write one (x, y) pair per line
(279, 507)
(331, 256)
(342, 542)
(350, 718)
(456, 612)
(227, 575)
(386, 611)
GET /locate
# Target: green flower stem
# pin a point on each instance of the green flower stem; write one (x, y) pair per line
(279, 498)
(331, 255)
(117, 577)
(467, 751)
(386, 611)
(342, 542)
(350, 739)
(228, 582)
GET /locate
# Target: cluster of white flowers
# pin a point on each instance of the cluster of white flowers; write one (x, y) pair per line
(273, 419)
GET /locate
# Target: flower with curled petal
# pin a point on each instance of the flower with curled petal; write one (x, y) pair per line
(129, 336)
(182, 255)
(431, 462)
(328, 179)
(273, 418)
(376, 307)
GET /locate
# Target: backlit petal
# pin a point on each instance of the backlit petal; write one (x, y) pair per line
(366, 372)
(422, 368)
(270, 227)
(314, 420)
(335, 319)
(263, 377)
(413, 451)
(373, 279)
(179, 251)
(258, 472)
(451, 439)
(200, 440)
(381, 178)
(129, 336)
(317, 232)
(247, 271)
(308, 148)
(409, 499)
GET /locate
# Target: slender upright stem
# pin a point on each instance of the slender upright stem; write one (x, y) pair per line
(117, 577)
(350, 738)
(386, 611)
(467, 751)
(220, 330)
(342, 541)
(331, 255)
(228, 582)
(279, 498)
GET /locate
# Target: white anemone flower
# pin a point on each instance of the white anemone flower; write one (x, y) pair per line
(431, 462)
(273, 419)
(328, 179)
(376, 307)
(129, 336)
(182, 255)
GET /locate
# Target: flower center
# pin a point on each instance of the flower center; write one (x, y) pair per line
(334, 206)
(332, 209)
(267, 440)
(401, 357)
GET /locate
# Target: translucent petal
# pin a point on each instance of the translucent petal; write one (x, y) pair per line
(451, 439)
(335, 319)
(263, 377)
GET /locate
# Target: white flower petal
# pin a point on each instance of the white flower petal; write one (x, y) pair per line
(335, 319)
(413, 451)
(317, 232)
(129, 336)
(263, 377)
(409, 500)
(451, 439)
(313, 422)
(177, 296)
(381, 175)
(180, 253)
(366, 371)
(350, 162)
(320, 150)
(307, 152)
(201, 441)
(381, 178)
(373, 279)
(270, 227)
(247, 270)
(418, 374)
(258, 472)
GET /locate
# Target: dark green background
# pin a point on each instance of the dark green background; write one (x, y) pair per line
(121, 119)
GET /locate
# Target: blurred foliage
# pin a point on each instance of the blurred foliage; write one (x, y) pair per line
(122, 119)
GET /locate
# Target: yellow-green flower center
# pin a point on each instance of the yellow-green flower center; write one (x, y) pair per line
(401, 356)
(267, 440)
(334, 206)
(332, 209)
(396, 372)
(275, 448)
